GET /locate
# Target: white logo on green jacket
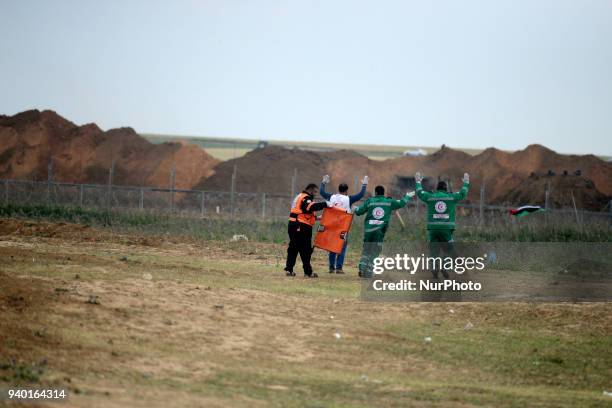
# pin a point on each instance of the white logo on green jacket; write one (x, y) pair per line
(378, 213)
(440, 206)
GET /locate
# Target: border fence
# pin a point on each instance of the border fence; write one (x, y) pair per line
(229, 204)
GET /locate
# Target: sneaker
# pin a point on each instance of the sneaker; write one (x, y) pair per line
(313, 275)
(360, 274)
(332, 270)
(290, 273)
(340, 271)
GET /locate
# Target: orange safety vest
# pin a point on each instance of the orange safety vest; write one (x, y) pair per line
(298, 215)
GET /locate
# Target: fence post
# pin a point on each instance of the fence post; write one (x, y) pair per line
(233, 190)
(81, 193)
(293, 182)
(49, 180)
(546, 197)
(575, 209)
(202, 203)
(263, 205)
(482, 199)
(141, 200)
(172, 183)
(111, 172)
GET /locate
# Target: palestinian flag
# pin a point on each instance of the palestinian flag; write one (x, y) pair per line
(524, 210)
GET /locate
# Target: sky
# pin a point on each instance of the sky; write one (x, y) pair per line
(470, 74)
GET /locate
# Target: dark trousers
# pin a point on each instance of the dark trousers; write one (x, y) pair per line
(300, 242)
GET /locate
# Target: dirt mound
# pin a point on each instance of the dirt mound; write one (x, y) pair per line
(561, 189)
(503, 173)
(509, 178)
(271, 169)
(85, 153)
(31, 139)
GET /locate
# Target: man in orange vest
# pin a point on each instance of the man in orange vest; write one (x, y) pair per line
(301, 220)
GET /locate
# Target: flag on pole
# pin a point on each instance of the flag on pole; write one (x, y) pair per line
(525, 209)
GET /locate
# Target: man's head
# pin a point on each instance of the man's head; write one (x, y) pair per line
(343, 188)
(442, 186)
(379, 190)
(312, 189)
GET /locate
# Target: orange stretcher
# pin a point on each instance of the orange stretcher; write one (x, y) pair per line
(332, 230)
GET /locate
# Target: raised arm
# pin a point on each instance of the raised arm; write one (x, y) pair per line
(396, 204)
(461, 194)
(422, 194)
(324, 194)
(359, 195)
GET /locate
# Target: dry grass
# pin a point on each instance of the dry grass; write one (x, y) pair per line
(190, 323)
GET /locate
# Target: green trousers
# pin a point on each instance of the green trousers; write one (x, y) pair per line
(372, 247)
(441, 245)
(440, 235)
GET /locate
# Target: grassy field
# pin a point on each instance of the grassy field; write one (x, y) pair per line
(253, 336)
(126, 316)
(532, 229)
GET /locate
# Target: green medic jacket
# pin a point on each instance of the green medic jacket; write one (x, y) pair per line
(441, 206)
(378, 212)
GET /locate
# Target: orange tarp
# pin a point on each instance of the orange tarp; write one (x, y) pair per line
(332, 230)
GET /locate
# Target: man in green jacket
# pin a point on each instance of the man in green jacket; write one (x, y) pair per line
(378, 211)
(441, 212)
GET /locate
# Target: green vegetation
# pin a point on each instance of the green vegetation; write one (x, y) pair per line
(18, 373)
(223, 228)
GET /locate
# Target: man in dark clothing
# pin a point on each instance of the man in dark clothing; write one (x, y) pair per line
(301, 220)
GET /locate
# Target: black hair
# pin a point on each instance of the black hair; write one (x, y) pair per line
(379, 190)
(442, 186)
(343, 188)
(310, 186)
